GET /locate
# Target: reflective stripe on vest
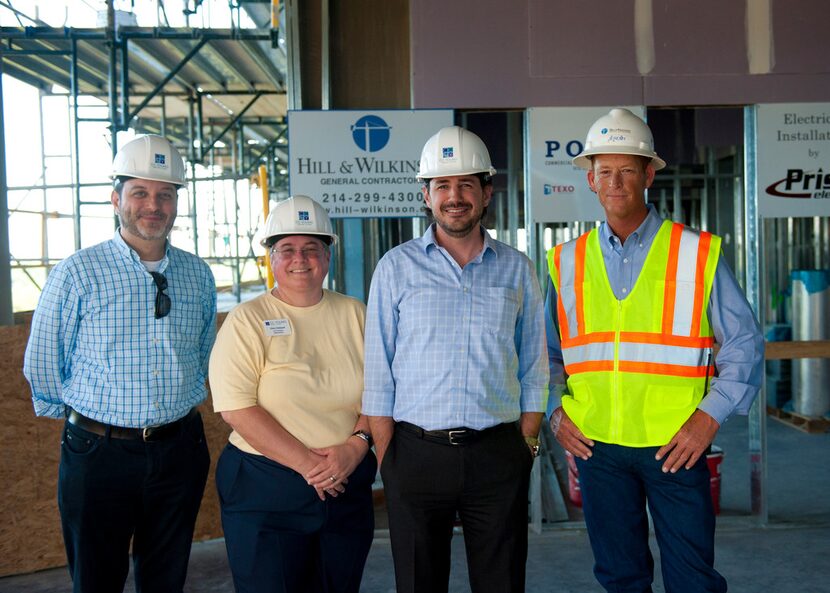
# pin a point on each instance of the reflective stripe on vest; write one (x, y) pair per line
(649, 347)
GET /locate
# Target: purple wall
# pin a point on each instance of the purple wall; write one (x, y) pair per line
(525, 53)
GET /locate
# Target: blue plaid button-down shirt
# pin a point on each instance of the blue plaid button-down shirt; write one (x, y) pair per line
(96, 346)
(448, 347)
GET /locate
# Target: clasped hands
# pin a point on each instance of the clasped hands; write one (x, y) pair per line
(333, 466)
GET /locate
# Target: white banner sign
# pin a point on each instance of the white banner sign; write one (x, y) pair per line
(559, 191)
(361, 164)
(793, 160)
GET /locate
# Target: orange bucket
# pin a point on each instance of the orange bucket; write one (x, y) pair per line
(574, 491)
(713, 460)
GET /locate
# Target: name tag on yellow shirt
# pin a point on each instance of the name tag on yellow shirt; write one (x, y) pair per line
(277, 327)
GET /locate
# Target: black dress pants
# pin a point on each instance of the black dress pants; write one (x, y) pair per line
(112, 491)
(485, 482)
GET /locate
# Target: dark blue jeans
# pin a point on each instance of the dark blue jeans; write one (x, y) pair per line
(281, 538)
(113, 491)
(616, 483)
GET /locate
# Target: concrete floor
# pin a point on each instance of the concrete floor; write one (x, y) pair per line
(784, 556)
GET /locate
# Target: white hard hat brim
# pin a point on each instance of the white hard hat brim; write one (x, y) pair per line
(473, 171)
(583, 160)
(271, 239)
(116, 175)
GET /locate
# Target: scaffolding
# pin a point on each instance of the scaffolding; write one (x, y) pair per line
(217, 94)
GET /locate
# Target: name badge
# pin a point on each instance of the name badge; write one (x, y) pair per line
(277, 327)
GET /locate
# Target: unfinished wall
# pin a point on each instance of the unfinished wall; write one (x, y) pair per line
(534, 53)
(30, 533)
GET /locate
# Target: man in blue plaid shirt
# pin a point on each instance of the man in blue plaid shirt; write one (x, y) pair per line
(119, 347)
(456, 379)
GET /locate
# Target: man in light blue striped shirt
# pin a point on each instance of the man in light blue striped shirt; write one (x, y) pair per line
(119, 346)
(456, 381)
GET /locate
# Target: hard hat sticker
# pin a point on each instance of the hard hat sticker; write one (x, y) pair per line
(159, 161)
(303, 217)
(447, 152)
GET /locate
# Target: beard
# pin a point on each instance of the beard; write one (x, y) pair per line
(459, 227)
(147, 231)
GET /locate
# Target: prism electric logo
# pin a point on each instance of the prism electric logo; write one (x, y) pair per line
(801, 184)
(370, 133)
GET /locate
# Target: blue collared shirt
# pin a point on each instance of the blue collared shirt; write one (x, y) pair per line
(448, 347)
(96, 346)
(740, 359)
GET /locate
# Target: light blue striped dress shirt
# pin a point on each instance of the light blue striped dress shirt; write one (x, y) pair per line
(448, 347)
(96, 346)
(740, 359)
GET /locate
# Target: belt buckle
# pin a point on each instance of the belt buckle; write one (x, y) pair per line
(147, 433)
(452, 434)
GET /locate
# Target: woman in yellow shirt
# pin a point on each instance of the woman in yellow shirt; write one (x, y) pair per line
(287, 374)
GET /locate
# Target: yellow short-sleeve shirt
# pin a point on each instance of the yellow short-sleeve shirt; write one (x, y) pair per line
(303, 365)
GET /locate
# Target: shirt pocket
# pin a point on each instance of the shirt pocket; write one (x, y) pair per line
(186, 320)
(496, 311)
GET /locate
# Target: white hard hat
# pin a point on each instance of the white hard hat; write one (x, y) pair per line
(149, 157)
(298, 215)
(454, 151)
(619, 132)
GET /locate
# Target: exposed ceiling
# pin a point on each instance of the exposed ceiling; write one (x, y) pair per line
(219, 86)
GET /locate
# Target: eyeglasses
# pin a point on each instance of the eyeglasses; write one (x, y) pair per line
(163, 302)
(291, 253)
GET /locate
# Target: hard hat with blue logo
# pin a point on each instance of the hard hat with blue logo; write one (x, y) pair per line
(149, 157)
(298, 215)
(454, 151)
(619, 132)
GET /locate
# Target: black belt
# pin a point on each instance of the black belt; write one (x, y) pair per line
(453, 436)
(146, 434)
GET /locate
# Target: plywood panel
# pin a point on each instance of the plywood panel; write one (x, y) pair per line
(30, 535)
(369, 61)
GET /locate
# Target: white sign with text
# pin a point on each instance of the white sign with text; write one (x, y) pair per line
(558, 190)
(361, 164)
(793, 152)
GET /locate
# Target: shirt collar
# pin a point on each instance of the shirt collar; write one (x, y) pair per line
(129, 252)
(643, 233)
(428, 238)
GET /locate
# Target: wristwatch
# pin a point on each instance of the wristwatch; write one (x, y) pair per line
(533, 444)
(365, 436)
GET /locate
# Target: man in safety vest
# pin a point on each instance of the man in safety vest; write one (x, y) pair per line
(633, 311)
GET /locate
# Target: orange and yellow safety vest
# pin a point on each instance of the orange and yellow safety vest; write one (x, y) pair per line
(637, 368)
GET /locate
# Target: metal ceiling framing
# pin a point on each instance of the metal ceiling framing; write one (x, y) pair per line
(217, 94)
(188, 82)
